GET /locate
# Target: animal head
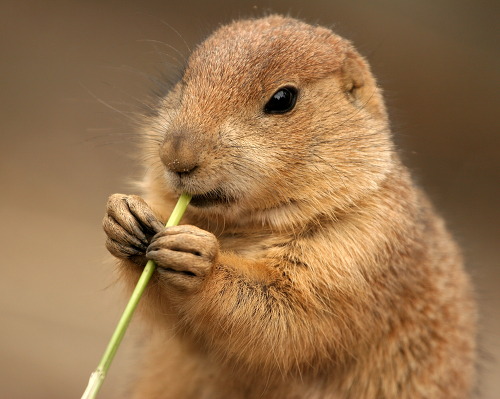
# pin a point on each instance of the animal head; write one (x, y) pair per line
(272, 118)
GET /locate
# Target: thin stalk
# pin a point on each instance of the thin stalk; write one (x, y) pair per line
(98, 376)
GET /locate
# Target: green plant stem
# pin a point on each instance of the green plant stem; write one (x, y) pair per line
(98, 376)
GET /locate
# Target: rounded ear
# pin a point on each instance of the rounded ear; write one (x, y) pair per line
(360, 86)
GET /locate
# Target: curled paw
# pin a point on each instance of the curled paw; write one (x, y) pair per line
(129, 224)
(184, 255)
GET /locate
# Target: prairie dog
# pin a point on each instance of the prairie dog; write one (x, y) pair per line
(308, 264)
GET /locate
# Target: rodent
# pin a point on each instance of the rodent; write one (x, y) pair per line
(308, 264)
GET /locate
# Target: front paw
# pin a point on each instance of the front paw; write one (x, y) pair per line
(129, 224)
(184, 255)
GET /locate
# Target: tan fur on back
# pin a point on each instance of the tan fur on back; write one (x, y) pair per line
(335, 277)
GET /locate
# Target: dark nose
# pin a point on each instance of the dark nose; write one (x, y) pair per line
(179, 153)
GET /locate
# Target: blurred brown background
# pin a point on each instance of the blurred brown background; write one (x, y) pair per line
(63, 151)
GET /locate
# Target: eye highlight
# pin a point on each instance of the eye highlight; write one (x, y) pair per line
(282, 101)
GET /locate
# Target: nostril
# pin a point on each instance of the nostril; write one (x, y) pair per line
(182, 168)
(185, 173)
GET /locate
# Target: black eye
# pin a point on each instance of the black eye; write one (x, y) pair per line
(282, 101)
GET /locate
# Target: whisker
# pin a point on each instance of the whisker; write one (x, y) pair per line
(177, 33)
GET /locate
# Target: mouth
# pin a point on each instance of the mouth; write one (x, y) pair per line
(211, 198)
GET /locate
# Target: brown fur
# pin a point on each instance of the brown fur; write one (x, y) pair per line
(327, 273)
